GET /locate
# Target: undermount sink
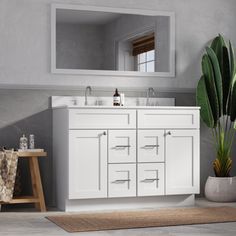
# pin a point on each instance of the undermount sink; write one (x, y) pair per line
(78, 101)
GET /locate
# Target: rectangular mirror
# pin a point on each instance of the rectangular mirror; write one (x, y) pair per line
(112, 41)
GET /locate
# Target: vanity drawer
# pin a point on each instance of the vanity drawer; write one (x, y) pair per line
(151, 179)
(151, 146)
(102, 118)
(122, 180)
(121, 146)
(168, 119)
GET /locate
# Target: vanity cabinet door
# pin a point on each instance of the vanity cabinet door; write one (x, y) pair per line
(87, 164)
(151, 179)
(122, 146)
(122, 180)
(151, 146)
(182, 161)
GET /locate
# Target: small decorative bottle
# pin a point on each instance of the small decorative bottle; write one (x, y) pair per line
(122, 99)
(23, 143)
(116, 98)
(31, 141)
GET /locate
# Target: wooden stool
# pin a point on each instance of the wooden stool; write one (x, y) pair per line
(38, 197)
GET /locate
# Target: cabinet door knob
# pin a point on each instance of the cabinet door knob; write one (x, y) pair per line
(168, 133)
(104, 133)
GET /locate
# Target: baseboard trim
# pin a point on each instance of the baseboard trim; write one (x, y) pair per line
(132, 203)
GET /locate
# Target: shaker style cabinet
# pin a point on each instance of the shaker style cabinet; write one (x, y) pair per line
(182, 161)
(151, 179)
(122, 146)
(87, 164)
(151, 146)
(125, 152)
(122, 180)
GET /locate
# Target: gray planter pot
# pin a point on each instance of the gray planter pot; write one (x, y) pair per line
(221, 189)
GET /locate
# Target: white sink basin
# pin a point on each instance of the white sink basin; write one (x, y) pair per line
(78, 101)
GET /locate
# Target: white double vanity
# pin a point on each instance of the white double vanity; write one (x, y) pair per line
(136, 156)
(125, 157)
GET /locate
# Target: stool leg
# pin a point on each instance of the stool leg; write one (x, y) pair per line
(36, 183)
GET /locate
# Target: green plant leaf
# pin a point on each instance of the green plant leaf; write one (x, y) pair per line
(217, 45)
(208, 73)
(232, 96)
(232, 60)
(217, 77)
(233, 102)
(203, 102)
(226, 79)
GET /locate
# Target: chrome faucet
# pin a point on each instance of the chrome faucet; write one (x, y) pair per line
(88, 91)
(150, 93)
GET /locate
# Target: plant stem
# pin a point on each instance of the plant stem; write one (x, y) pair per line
(232, 134)
(219, 134)
(215, 138)
(226, 128)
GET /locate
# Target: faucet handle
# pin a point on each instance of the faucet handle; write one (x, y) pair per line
(88, 91)
(151, 91)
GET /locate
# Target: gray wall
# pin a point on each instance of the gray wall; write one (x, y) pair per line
(25, 41)
(162, 44)
(79, 46)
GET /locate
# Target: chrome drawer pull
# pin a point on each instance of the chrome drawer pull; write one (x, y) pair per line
(122, 146)
(121, 181)
(150, 180)
(151, 146)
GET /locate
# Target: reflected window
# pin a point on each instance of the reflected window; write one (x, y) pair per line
(144, 51)
(146, 61)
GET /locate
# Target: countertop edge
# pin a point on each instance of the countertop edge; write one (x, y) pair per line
(132, 107)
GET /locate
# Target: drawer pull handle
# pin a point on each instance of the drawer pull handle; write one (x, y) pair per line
(150, 180)
(151, 146)
(122, 146)
(121, 181)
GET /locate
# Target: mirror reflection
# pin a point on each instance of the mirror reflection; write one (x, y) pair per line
(94, 40)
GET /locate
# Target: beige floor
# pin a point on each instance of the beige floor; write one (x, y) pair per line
(34, 223)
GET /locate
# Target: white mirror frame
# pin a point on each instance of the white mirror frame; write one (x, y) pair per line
(170, 73)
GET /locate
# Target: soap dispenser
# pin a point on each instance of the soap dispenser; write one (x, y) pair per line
(116, 98)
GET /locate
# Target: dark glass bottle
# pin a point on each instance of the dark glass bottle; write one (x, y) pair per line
(116, 98)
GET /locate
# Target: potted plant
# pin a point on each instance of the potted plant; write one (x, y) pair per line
(216, 95)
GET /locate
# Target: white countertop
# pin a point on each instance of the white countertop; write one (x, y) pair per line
(131, 107)
(77, 102)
